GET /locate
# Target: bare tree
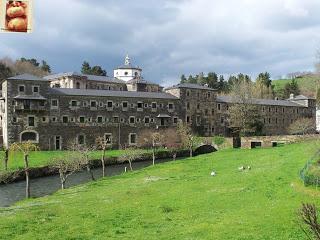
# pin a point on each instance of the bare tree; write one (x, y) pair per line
(102, 144)
(309, 216)
(151, 139)
(84, 151)
(67, 166)
(5, 158)
(187, 138)
(25, 148)
(302, 126)
(131, 154)
(172, 142)
(244, 115)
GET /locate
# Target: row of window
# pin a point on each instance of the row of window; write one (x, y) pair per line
(110, 104)
(22, 89)
(99, 119)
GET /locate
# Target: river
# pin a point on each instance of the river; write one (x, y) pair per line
(14, 192)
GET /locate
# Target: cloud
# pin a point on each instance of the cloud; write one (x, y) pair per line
(174, 37)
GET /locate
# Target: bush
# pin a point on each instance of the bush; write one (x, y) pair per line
(218, 140)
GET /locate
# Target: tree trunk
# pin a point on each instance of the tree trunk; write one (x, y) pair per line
(130, 165)
(102, 163)
(153, 156)
(90, 172)
(6, 159)
(26, 170)
(190, 149)
(62, 179)
(174, 156)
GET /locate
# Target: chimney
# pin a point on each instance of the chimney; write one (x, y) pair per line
(291, 96)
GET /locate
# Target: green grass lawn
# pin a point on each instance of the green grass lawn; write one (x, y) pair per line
(178, 200)
(43, 158)
(307, 84)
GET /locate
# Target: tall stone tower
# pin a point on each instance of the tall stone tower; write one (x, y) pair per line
(127, 71)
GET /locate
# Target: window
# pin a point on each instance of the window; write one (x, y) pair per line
(35, 89)
(29, 136)
(170, 106)
(276, 120)
(115, 119)
(124, 105)
(89, 119)
(65, 119)
(101, 104)
(81, 139)
(54, 103)
(154, 106)
(188, 93)
(146, 105)
(21, 88)
(53, 119)
(109, 104)
(283, 110)
(85, 104)
(81, 119)
(93, 104)
(126, 73)
(269, 109)
(108, 138)
(132, 120)
(188, 105)
(14, 119)
(146, 120)
(74, 103)
(188, 119)
(77, 85)
(44, 119)
(99, 119)
(219, 106)
(41, 103)
(31, 121)
(269, 120)
(198, 106)
(139, 106)
(198, 120)
(132, 138)
(175, 120)
(222, 120)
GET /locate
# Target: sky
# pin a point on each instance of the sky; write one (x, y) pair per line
(170, 37)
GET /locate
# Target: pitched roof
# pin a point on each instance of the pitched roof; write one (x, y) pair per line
(230, 99)
(88, 76)
(301, 97)
(22, 97)
(27, 77)
(191, 85)
(129, 66)
(107, 93)
(135, 80)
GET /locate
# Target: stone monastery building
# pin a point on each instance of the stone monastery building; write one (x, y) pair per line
(57, 109)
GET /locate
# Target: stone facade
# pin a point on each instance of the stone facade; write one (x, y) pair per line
(55, 110)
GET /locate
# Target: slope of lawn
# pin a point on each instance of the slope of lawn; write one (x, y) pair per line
(307, 84)
(178, 200)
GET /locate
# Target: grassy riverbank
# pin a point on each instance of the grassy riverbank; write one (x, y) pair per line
(43, 158)
(178, 200)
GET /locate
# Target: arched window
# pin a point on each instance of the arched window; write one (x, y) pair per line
(29, 136)
(78, 85)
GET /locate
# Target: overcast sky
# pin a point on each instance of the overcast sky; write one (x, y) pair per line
(170, 37)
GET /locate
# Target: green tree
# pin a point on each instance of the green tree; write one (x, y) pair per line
(191, 79)
(45, 67)
(212, 80)
(86, 69)
(183, 79)
(5, 71)
(291, 88)
(98, 71)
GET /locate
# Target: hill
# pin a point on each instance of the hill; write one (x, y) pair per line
(178, 200)
(307, 83)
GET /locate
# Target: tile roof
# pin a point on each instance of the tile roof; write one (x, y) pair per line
(191, 85)
(107, 93)
(88, 76)
(23, 97)
(300, 97)
(27, 77)
(230, 99)
(141, 81)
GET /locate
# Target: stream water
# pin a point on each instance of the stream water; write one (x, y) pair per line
(11, 193)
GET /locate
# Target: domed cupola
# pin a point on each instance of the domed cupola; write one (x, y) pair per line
(127, 71)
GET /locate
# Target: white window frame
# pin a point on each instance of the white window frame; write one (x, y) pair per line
(51, 105)
(129, 140)
(111, 138)
(24, 88)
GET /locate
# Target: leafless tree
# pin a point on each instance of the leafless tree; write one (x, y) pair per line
(244, 115)
(102, 144)
(5, 159)
(131, 154)
(67, 166)
(25, 148)
(151, 139)
(187, 138)
(172, 142)
(309, 217)
(302, 126)
(84, 151)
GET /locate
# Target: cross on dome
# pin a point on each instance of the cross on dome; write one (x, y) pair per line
(127, 60)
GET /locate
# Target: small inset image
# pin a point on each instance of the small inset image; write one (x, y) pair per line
(17, 16)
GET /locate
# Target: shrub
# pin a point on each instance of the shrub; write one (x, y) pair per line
(218, 140)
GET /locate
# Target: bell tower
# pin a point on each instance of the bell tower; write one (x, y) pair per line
(127, 71)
